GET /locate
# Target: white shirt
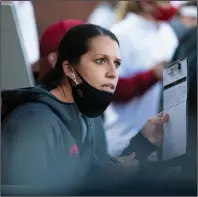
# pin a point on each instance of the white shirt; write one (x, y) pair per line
(143, 44)
(104, 15)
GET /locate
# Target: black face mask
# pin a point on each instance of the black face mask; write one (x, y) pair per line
(90, 101)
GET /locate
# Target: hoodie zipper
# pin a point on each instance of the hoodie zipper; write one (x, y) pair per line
(79, 125)
(88, 132)
(89, 129)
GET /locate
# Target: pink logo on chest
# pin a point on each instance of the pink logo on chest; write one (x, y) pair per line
(73, 149)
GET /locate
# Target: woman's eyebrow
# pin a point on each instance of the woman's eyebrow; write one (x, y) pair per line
(105, 55)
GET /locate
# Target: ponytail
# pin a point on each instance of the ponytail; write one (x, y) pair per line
(54, 77)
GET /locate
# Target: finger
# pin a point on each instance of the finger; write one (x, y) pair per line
(159, 120)
(161, 114)
(166, 117)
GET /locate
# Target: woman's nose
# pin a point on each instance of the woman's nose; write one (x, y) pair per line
(112, 72)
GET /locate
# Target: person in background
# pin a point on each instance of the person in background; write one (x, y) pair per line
(185, 19)
(50, 132)
(146, 39)
(49, 45)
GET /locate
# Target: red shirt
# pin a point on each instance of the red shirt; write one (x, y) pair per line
(128, 88)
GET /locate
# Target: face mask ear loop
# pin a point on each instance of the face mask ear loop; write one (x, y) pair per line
(74, 77)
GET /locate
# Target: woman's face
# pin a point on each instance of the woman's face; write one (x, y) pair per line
(99, 66)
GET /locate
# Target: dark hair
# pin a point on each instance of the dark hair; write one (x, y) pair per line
(190, 3)
(74, 44)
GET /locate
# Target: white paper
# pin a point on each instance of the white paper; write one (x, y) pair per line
(175, 104)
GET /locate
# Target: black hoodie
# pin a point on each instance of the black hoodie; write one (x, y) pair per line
(42, 141)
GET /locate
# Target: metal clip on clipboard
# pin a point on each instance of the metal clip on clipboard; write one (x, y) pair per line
(173, 67)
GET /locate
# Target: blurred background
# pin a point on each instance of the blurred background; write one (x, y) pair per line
(29, 19)
(23, 23)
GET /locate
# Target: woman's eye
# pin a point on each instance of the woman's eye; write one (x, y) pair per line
(117, 64)
(100, 61)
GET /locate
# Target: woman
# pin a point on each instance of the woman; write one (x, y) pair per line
(146, 39)
(49, 133)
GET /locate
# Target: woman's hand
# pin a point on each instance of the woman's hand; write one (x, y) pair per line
(124, 167)
(129, 161)
(153, 129)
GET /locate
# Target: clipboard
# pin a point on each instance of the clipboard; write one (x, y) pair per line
(175, 103)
